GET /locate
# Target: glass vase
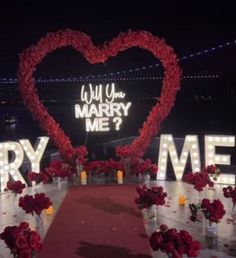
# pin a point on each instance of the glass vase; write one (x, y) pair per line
(210, 231)
(38, 221)
(144, 178)
(151, 214)
(233, 212)
(200, 196)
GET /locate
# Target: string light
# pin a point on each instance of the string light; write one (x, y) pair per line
(74, 80)
(136, 69)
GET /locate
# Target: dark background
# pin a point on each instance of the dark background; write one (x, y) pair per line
(203, 106)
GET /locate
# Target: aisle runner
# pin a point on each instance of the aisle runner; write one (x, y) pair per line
(97, 222)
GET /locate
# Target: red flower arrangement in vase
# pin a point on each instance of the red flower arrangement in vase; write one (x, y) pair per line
(144, 167)
(212, 171)
(36, 203)
(59, 168)
(21, 240)
(198, 179)
(15, 187)
(174, 243)
(230, 192)
(150, 198)
(102, 168)
(213, 211)
(38, 177)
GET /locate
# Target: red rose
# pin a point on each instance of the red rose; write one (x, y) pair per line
(24, 225)
(25, 253)
(21, 242)
(163, 227)
(35, 241)
(156, 240)
(194, 249)
(186, 236)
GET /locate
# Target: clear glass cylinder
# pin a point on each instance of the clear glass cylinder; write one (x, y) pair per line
(201, 195)
(38, 221)
(150, 214)
(210, 231)
(233, 212)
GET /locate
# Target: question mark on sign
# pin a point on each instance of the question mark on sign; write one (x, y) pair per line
(117, 121)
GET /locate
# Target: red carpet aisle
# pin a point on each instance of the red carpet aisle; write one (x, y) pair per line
(97, 222)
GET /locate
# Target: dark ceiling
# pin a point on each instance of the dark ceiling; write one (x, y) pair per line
(188, 26)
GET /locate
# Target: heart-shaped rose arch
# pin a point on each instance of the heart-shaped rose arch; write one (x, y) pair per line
(32, 56)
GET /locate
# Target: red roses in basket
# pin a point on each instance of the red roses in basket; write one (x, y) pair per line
(148, 197)
(174, 243)
(36, 203)
(23, 242)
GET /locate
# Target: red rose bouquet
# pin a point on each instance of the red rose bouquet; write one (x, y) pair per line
(212, 171)
(198, 179)
(213, 211)
(15, 187)
(144, 167)
(58, 168)
(174, 243)
(103, 167)
(23, 242)
(38, 177)
(148, 197)
(36, 203)
(230, 192)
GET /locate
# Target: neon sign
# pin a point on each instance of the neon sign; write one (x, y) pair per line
(102, 106)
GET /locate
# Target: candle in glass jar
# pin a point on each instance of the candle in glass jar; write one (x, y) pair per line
(49, 210)
(182, 200)
(119, 177)
(83, 178)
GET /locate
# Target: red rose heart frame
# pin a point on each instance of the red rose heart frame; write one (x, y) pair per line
(32, 56)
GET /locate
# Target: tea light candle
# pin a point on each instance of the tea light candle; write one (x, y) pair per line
(182, 200)
(49, 210)
(119, 177)
(83, 178)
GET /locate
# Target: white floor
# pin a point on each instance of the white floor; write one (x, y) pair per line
(174, 216)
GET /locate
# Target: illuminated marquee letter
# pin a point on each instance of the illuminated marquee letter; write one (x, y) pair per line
(9, 164)
(211, 141)
(35, 154)
(191, 145)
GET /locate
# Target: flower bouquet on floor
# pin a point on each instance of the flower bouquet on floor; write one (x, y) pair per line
(145, 170)
(37, 178)
(212, 171)
(16, 187)
(174, 243)
(21, 240)
(149, 199)
(199, 180)
(35, 205)
(230, 192)
(100, 170)
(59, 169)
(212, 212)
